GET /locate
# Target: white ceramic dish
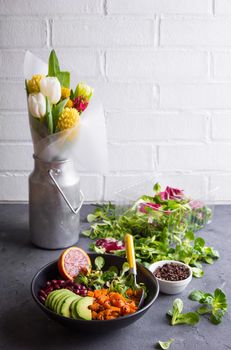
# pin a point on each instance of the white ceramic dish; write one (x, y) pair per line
(171, 287)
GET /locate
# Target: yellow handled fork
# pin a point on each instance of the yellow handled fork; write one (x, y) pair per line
(130, 253)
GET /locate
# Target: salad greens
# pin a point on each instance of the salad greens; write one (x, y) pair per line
(162, 226)
(177, 317)
(165, 344)
(112, 279)
(213, 304)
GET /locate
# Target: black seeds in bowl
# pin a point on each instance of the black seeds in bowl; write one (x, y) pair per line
(172, 272)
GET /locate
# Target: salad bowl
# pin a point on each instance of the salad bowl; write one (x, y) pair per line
(50, 271)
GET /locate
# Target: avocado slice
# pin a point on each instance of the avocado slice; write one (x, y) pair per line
(57, 297)
(73, 307)
(65, 307)
(82, 308)
(50, 297)
(59, 302)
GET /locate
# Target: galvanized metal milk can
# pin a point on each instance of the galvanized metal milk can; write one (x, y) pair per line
(55, 200)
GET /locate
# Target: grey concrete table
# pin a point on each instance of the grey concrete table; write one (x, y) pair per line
(24, 326)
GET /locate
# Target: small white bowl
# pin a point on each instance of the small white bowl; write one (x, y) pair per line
(171, 287)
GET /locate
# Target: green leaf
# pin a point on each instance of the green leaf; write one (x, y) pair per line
(196, 295)
(215, 304)
(178, 305)
(209, 260)
(190, 318)
(98, 250)
(189, 235)
(199, 243)
(99, 262)
(125, 268)
(197, 272)
(216, 316)
(72, 95)
(48, 116)
(91, 217)
(86, 233)
(207, 299)
(53, 64)
(220, 300)
(202, 310)
(57, 110)
(157, 187)
(114, 269)
(64, 78)
(165, 344)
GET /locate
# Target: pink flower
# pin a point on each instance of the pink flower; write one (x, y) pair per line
(143, 207)
(80, 104)
(171, 193)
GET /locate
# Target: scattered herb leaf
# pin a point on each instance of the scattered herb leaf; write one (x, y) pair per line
(215, 304)
(165, 344)
(190, 318)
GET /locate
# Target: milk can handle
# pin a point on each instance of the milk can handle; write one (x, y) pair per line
(75, 211)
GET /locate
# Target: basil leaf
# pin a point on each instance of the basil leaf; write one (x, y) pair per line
(53, 64)
(64, 78)
(57, 110)
(48, 116)
(165, 344)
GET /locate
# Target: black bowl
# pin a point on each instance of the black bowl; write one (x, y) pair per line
(50, 272)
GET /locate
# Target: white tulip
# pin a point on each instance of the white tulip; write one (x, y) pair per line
(37, 105)
(50, 87)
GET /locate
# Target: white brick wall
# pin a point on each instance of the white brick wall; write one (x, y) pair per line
(163, 71)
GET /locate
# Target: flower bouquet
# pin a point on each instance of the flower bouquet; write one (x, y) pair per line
(55, 110)
(63, 124)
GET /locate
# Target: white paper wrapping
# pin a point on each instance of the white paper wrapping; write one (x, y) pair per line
(85, 144)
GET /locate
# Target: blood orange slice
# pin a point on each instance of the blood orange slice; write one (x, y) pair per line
(72, 261)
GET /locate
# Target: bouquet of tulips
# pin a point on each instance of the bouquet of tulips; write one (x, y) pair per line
(55, 111)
